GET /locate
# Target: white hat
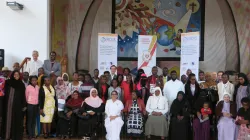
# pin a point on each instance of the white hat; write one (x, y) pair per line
(5, 69)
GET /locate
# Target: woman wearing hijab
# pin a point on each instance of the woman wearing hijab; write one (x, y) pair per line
(157, 107)
(226, 112)
(89, 111)
(65, 77)
(15, 106)
(179, 123)
(47, 104)
(67, 123)
(135, 109)
(241, 89)
(62, 90)
(113, 121)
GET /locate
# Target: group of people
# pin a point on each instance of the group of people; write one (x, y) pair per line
(153, 105)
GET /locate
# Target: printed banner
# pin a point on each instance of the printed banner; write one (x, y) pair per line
(147, 53)
(190, 53)
(107, 51)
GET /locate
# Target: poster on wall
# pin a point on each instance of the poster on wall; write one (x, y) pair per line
(190, 49)
(147, 53)
(107, 51)
(164, 18)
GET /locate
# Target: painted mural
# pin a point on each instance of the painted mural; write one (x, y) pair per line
(166, 19)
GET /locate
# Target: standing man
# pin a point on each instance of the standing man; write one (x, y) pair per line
(201, 76)
(165, 75)
(26, 78)
(6, 73)
(113, 70)
(225, 87)
(33, 65)
(172, 87)
(52, 68)
(96, 76)
(219, 76)
(153, 79)
(16, 66)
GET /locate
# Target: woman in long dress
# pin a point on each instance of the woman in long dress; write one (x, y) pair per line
(243, 120)
(179, 123)
(226, 111)
(241, 89)
(157, 107)
(47, 104)
(135, 109)
(15, 107)
(67, 123)
(90, 113)
(127, 87)
(113, 121)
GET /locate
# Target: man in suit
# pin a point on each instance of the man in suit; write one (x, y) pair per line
(51, 67)
(113, 70)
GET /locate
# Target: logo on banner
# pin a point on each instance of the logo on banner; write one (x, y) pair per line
(106, 39)
(146, 56)
(190, 38)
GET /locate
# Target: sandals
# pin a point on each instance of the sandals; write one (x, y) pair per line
(85, 138)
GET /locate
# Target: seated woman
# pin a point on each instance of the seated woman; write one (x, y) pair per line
(67, 121)
(226, 111)
(157, 107)
(135, 109)
(113, 121)
(88, 118)
(201, 129)
(243, 120)
(179, 123)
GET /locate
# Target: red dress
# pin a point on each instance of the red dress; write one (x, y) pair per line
(126, 90)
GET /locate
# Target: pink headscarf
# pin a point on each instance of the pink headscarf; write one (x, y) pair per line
(93, 101)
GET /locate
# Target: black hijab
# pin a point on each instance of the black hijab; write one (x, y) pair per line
(242, 75)
(178, 106)
(16, 84)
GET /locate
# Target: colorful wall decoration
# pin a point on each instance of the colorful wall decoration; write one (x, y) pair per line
(166, 19)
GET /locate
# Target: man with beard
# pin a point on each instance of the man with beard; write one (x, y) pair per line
(172, 87)
(153, 79)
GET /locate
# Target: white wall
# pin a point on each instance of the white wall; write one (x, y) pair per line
(25, 30)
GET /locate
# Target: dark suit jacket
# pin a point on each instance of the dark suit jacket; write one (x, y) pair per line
(190, 97)
(56, 68)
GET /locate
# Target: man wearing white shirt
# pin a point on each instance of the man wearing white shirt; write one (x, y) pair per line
(33, 65)
(225, 87)
(172, 87)
(113, 70)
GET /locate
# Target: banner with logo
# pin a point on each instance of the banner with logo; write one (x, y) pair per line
(107, 51)
(147, 53)
(190, 53)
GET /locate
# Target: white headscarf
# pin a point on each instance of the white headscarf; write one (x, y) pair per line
(158, 88)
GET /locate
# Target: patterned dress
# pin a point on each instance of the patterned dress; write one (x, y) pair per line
(135, 121)
(49, 105)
